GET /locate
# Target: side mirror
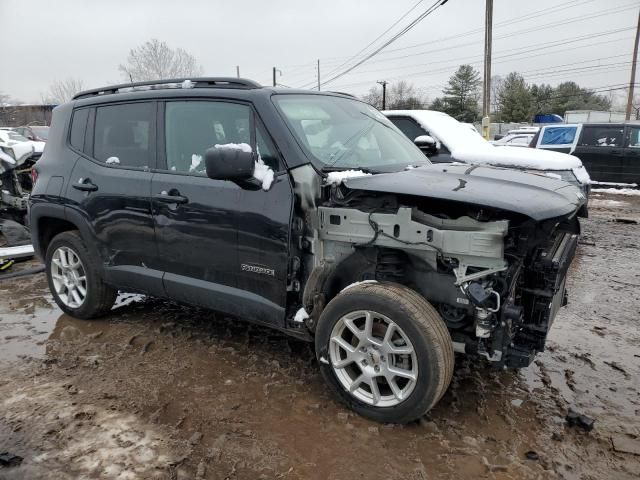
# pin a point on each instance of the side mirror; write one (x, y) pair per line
(426, 143)
(229, 164)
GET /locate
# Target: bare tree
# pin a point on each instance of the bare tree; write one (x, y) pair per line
(405, 96)
(497, 87)
(62, 91)
(374, 97)
(155, 60)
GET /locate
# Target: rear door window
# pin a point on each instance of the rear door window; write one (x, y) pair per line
(561, 135)
(124, 135)
(606, 136)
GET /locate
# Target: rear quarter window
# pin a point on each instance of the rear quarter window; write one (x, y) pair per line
(558, 135)
(78, 127)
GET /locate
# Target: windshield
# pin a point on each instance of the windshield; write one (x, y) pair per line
(346, 134)
(41, 132)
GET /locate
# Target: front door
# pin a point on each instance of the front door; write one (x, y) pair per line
(222, 245)
(110, 189)
(600, 148)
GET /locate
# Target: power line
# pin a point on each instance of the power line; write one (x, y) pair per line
(450, 63)
(377, 38)
(402, 32)
(508, 22)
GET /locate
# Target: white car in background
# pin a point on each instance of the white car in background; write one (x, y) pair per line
(444, 139)
(514, 140)
(12, 135)
(16, 147)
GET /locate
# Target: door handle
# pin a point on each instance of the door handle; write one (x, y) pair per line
(169, 197)
(615, 152)
(85, 186)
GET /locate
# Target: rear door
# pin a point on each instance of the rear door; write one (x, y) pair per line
(222, 245)
(110, 189)
(631, 162)
(601, 150)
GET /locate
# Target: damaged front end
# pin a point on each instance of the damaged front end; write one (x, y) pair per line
(496, 276)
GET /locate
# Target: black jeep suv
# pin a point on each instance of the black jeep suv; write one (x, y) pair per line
(310, 213)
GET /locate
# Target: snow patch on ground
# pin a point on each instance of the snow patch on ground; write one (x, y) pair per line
(614, 184)
(617, 191)
(354, 284)
(604, 203)
(336, 178)
(301, 315)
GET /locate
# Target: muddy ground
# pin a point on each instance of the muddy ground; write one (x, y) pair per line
(158, 390)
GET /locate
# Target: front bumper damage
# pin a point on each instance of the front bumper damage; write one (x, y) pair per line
(496, 309)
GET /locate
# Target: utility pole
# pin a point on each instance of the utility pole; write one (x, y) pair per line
(486, 97)
(238, 71)
(318, 74)
(632, 81)
(384, 93)
(274, 75)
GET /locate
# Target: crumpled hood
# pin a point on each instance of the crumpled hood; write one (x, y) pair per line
(535, 196)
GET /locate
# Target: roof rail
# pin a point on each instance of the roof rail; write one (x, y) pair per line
(197, 82)
(343, 93)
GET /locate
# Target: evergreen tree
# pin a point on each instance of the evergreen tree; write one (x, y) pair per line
(439, 105)
(515, 99)
(461, 95)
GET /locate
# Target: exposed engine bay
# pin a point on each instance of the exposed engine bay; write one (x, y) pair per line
(496, 277)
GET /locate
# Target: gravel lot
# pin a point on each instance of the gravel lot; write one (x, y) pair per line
(158, 390)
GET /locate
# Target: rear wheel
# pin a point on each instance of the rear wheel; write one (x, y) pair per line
(74, 278)
(385, 351)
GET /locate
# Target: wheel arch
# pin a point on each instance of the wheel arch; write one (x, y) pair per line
(328, 279)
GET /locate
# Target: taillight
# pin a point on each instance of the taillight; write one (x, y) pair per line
(34, 176)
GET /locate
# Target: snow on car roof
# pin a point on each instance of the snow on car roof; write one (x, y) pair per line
(469, 147)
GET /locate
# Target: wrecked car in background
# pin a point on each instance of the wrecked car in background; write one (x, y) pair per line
(16, 160)
(310, 213)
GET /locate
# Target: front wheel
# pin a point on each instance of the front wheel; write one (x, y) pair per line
(385, 351)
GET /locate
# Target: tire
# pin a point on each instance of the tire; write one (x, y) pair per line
(98, 297)
(420, 348)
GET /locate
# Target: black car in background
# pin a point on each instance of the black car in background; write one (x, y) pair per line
(609, 151)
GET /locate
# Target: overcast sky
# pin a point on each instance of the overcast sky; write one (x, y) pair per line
(588, 41)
